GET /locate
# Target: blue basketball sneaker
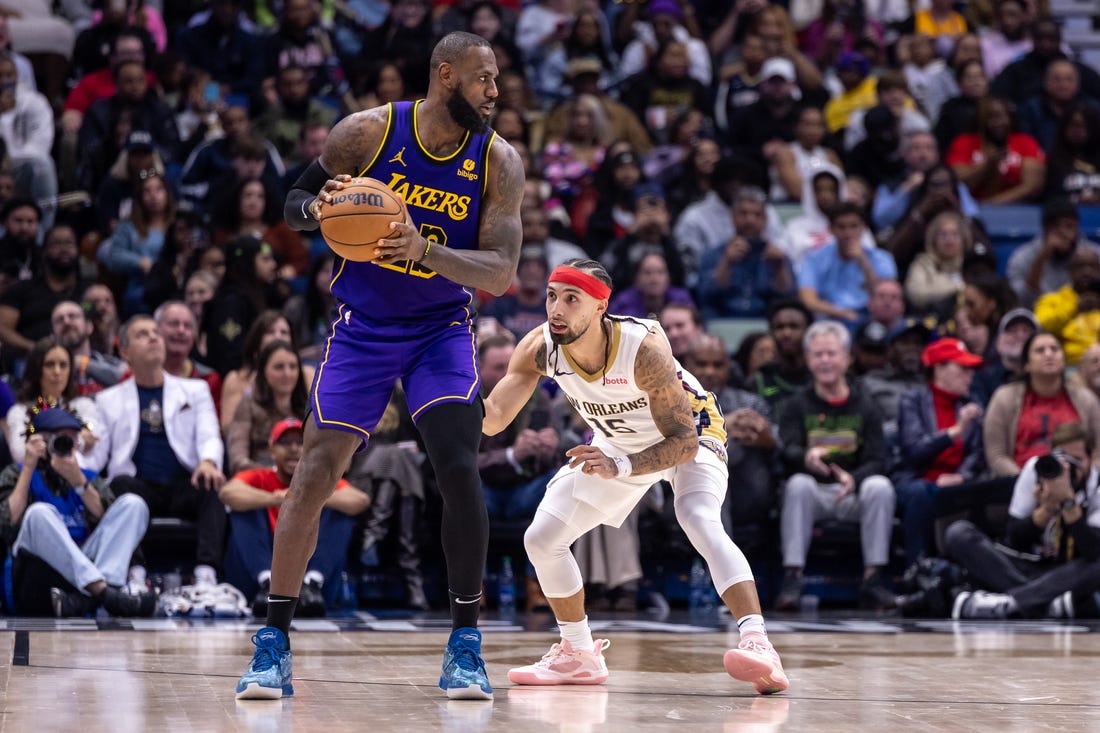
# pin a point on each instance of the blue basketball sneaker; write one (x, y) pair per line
(269, 675)
(464, 676)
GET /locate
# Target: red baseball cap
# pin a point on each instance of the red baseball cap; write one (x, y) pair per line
(289, 423)
(949, 349)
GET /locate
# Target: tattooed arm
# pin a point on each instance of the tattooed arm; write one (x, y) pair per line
(655, 373)
(511, 393)
(492, 266)
(350, 145)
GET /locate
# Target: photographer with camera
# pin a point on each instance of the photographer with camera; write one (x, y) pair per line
(73, 539)
(1050, 558)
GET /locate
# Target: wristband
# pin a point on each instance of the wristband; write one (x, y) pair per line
(427, 248)
(623, 465)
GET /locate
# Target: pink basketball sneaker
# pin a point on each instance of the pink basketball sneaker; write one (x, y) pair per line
(564, 665)
(756, 661)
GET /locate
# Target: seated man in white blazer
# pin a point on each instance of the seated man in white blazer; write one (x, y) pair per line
(161, 440)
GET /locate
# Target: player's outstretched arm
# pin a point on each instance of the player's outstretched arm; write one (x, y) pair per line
(655, 373)
(492, 266)
(527, 364)
(353, 142)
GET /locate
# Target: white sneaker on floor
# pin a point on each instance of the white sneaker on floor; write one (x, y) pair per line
(981, 604)
(755, 661)
(564, 665)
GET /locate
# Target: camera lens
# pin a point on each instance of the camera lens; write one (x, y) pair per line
(1048, 467)
(61, 445)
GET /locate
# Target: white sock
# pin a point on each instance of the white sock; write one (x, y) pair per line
(314, 576)
(577, 634)
(264, 576)
(752, 624)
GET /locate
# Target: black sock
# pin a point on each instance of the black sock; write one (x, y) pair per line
(464, 610)
(280, 609)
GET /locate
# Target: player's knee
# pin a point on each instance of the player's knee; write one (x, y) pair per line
(694, 515)
(877, 489)
(800, 487)
(540, 544)
(39, 513)
(958, 535)
(132, 504)
(458, 467)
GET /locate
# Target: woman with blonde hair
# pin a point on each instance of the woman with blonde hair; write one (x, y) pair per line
(935, 277)
(570, 163)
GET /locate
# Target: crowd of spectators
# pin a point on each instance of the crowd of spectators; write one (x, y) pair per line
(820, 172)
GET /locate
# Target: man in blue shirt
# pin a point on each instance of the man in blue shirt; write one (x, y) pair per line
(835, 280)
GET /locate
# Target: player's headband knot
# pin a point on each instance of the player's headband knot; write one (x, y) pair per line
(582, 280)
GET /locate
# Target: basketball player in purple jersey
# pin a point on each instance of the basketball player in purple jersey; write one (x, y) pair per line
(407, 315)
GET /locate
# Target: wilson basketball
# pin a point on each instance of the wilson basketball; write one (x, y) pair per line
(359, 215)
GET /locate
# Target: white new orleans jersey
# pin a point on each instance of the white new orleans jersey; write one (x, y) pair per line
(611, 402)
(618, 412)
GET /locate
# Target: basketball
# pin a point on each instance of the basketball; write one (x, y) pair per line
(359, 215)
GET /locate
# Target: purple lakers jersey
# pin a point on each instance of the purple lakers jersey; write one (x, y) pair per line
(443, 196)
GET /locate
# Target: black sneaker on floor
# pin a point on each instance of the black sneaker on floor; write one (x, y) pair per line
(311, 602)
(259, 603)
(929, 602)
(120, 602)
(875, 596)
(71, 603)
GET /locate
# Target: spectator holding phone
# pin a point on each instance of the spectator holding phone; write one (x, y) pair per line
(741, 277)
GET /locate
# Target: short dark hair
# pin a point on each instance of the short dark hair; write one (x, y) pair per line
(19, 202)
(124, 332)
(1059, 208)
(454, 46)
(892, 79)
(847, 208)
(784, 304)
(696, 316)
(248, 147)
(496, 341)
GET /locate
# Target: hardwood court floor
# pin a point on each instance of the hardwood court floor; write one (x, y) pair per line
(857, 675)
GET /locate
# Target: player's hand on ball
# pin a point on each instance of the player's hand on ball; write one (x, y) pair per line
(331, 186)
(404, 243)
(592, 460)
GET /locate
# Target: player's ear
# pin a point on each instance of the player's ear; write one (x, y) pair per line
(446, 74)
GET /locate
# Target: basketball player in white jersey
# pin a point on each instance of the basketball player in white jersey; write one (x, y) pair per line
(651, 421)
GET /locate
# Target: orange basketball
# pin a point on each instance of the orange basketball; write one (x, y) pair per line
(359, 215)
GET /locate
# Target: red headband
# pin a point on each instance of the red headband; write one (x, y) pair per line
(584, 281)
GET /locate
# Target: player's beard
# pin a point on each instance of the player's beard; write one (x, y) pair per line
(564, 339)
(465, 114)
